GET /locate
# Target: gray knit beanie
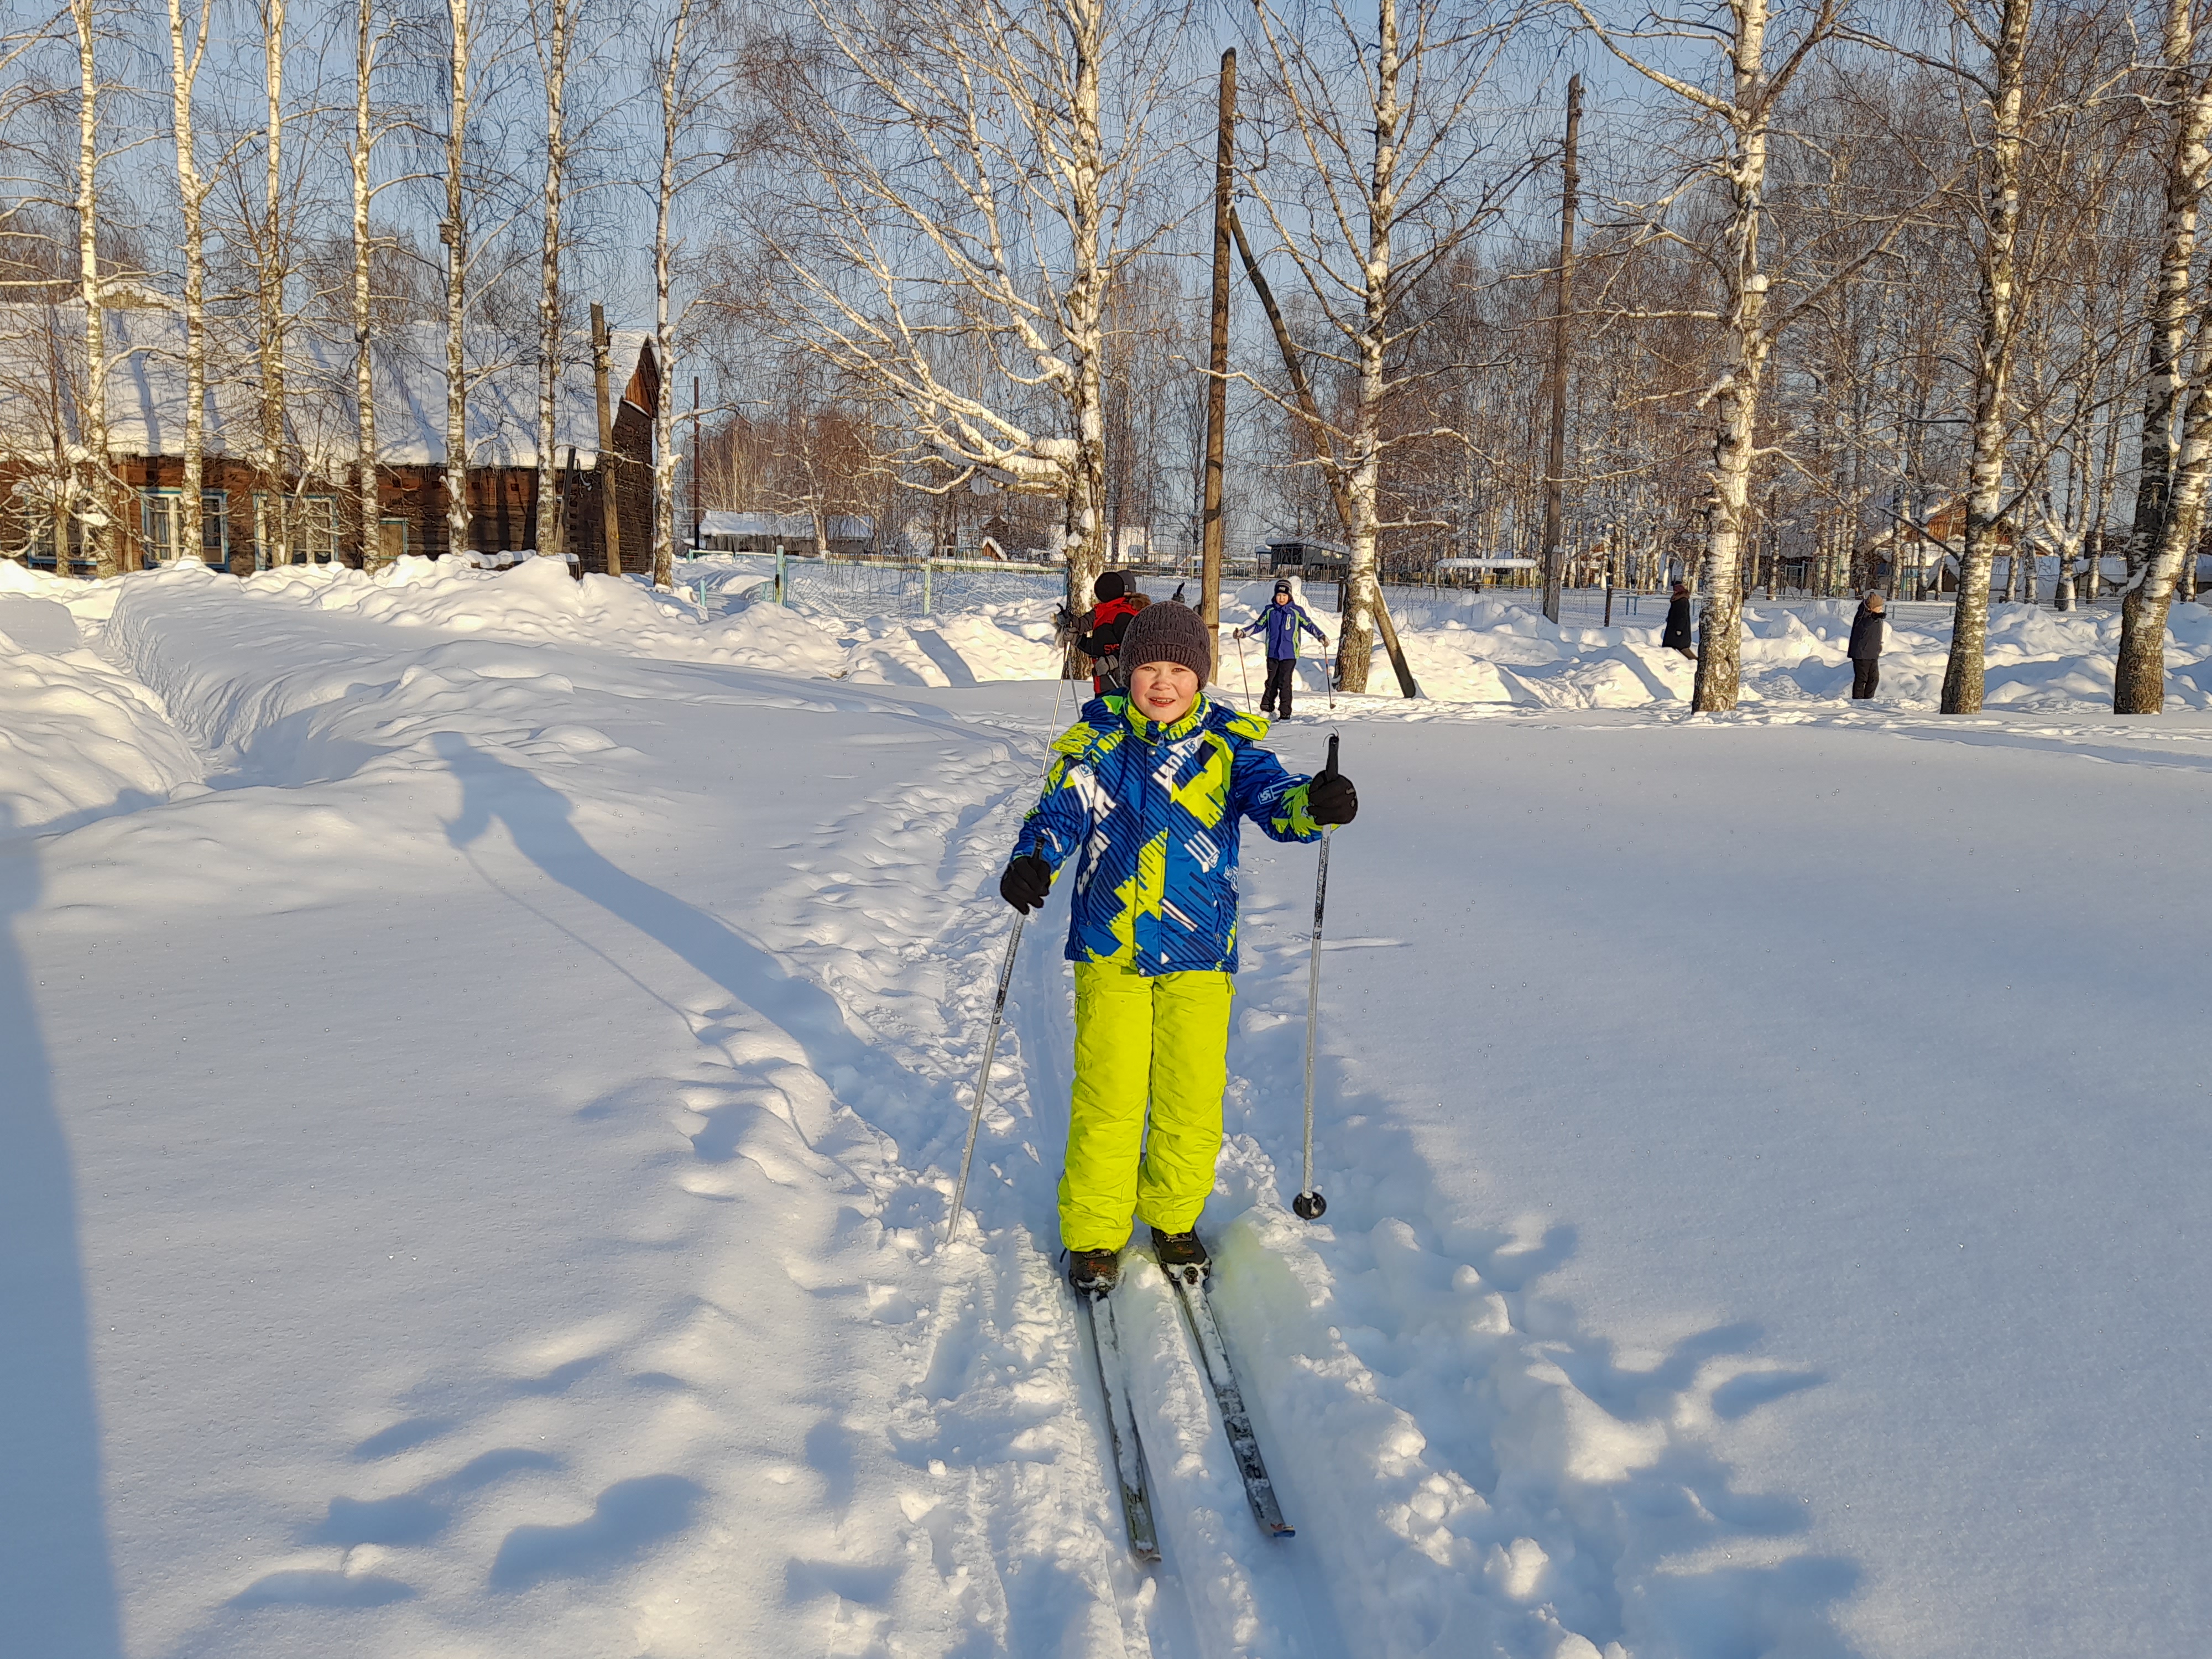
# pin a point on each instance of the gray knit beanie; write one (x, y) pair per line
(1167, 632)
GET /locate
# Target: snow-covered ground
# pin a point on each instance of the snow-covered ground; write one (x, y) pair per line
(1469, 646)
(488, 1057)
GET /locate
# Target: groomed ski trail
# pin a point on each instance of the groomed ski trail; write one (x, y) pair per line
(1460, 1484)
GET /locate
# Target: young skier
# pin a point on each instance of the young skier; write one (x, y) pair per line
(1108, 621)
(1145, 793)
(1282, 621)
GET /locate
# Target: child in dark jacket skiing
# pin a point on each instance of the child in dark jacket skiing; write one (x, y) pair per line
(1118, 605)
(1282, 621)
(1145, 793)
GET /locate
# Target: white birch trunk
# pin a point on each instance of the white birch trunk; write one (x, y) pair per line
(2153, 557)
(664, 331)
(370, 525)
(1084, 309)
(104, 530)
(184, 62)
(1363, 471)
(457, 389)
(548, 283)
(1735, 393)
(1992, 432)
(270, 514)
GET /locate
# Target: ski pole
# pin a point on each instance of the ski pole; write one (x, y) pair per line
(1309, 1205)
(983, 1079)
(1059, 688)
(1243, 672)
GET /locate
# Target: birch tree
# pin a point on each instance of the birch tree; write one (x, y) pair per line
(979, 176)
(2002, 88)
(36, 381)
(1754, 64)
(99, 522)
(556, 25)
(1384, 181)
(273, 523)
(677, 82)
(65, 123)
(188, 47)
(692, 80)
(2080, 259)
(2169, 485)
(369, 528)
(453, 233)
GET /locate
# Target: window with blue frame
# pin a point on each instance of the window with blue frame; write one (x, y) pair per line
(42, 549)
(160, 520)
(314, 522)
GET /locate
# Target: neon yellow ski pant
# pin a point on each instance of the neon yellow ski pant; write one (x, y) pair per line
(1163, 1039)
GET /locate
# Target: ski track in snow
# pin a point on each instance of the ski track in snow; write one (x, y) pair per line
(923, 1468)
(1460, 1485)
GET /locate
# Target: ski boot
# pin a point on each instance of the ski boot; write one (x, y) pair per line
(1181, 1255)
(1093, 1273)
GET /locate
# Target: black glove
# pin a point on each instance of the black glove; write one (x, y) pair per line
(1026, 883)
(1330, 799)
(1064, 621)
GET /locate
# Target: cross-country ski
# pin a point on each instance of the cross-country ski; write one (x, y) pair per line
(1122, 1433)
(1190, 1284)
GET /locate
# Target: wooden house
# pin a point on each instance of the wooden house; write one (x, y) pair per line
(48, 481)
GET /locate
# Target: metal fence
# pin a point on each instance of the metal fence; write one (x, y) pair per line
(856, 589)
(909, 588)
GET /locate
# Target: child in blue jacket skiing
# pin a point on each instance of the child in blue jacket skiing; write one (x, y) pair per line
(1145, 793)
(1282, 621)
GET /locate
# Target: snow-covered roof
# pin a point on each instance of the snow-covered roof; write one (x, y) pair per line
(790, 526)
(146, 398)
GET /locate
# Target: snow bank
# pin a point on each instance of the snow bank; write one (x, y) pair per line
(78, 740)
(1474, 648)
(1465, 647)
(539, 601)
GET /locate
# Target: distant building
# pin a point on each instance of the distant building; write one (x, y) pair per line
(1313, 561)
(850, 534)
(41, 366)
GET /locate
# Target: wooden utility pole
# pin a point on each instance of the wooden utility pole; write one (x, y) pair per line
(1555, 555)
(1324, 447)
(1217, 363)
(610, 522)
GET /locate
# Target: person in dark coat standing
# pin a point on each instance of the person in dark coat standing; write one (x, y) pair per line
(1865, 651)
(1675, 636)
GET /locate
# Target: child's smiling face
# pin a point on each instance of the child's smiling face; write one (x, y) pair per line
(1163, 691)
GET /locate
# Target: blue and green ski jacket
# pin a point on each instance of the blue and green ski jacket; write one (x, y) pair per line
(1149, 813)
(1282, 625)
